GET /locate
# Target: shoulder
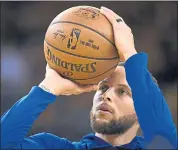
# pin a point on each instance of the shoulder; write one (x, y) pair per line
(49, 140)
(141, 143)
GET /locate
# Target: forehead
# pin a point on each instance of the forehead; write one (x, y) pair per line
(118, 76)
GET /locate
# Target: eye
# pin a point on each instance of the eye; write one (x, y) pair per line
(122, 91)
(103, 87)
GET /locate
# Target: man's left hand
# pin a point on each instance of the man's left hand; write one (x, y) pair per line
(123, 36)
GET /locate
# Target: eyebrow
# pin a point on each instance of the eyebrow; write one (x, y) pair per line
(122, 85)
(119, 85)
(103, 82)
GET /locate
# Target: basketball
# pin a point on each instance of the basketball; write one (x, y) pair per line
(79, 45)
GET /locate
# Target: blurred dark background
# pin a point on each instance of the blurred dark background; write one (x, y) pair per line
(23, 26)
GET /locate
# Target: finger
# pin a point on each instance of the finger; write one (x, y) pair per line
(80, 88)
(116, 16)
(47, 70)
(48, 67)
(122, 58)
(50, 71)
(111, 18)
(95, 88)
(88, 88)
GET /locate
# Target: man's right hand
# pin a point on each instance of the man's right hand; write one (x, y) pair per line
(58, 85)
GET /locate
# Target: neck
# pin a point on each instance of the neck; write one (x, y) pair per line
(118, 140)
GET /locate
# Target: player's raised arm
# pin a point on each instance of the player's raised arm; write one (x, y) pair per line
(17, 121)
(152, 110)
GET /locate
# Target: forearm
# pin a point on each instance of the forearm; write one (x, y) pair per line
(151, 108)
(16, 123)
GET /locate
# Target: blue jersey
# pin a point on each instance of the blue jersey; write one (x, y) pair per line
(152, 110)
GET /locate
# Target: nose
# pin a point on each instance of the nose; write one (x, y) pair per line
(107, 95)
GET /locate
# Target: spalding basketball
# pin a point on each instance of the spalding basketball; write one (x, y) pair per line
(79, 45)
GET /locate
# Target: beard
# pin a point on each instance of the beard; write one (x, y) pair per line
(114, 126)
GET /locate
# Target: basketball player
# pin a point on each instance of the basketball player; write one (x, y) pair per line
(125, 101)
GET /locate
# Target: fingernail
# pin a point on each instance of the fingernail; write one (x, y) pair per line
(102, 7)
(101, 11)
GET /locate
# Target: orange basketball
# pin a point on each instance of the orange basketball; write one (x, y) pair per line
(79, 45)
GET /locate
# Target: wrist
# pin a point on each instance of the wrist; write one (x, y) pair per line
(47, 86)
(127, 55)
(44, 88)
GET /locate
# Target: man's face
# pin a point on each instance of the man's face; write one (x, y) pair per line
(113, 110)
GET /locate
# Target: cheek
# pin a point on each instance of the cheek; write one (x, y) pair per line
(126, 107)
(96, 99)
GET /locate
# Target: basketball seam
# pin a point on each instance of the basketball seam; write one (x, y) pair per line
(85, 27)
(95, 58)
(94, 76)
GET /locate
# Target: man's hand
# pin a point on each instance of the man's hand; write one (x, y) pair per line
(57, 85)
(123, 36)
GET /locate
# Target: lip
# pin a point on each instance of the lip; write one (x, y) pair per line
(104, 107)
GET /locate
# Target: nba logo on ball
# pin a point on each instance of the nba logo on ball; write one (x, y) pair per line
(73, 39)
(79, 45)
